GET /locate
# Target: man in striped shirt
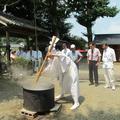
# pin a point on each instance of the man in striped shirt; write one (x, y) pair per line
(93, 57)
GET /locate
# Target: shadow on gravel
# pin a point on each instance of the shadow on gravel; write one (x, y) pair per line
(8, 88)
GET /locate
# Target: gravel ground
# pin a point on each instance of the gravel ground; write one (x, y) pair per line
(97, 103)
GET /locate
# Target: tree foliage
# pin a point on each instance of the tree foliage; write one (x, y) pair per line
(87, 11)
(19, 8)
(49, 14)
(8, 2)
(78, 41)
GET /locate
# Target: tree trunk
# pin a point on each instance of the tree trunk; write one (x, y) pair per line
(28, 42)
(89, 33)
(53, 14)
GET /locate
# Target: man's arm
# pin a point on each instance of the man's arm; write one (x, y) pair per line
(87, 56)
(99, 57)
(114, 56)
(79, 57)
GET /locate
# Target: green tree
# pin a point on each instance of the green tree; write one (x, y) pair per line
(8, 2)
(78, 41)
(51, 14)
(87, 11)
(18, 8)
(48, 14)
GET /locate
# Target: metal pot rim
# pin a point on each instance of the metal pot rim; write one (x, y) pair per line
(39, 87)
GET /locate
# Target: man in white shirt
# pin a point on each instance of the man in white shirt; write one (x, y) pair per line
(65, 49)
(38, 58)
(108, 58)
(30, 56)
(93, 57)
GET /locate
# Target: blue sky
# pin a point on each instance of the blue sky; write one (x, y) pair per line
(104, 25)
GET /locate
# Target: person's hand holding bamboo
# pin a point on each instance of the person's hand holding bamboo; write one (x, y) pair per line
(53, 42)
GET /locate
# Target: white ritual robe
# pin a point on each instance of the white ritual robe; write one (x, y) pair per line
(66, 71)
(66, 51)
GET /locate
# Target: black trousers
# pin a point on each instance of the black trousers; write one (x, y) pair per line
(93, 71)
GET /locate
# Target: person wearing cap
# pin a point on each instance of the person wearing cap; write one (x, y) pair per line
(75, 55)
(65, 49)
(108, 58)
(93, 57)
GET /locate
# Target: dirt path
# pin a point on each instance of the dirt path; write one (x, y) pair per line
(97, 103)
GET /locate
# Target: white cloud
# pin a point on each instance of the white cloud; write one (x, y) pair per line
(106, 25)
(114, 28)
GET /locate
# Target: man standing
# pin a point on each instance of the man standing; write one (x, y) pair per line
(65, 49)
(38, 58)
(75, 55)
(108, 58)
(93, 57)
(30, 56)
(65, 69)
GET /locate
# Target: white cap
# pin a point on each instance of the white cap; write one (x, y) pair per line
(2, 53)
(72, 46)
(21, 44)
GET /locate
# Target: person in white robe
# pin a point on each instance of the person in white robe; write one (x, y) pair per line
(108, 58)
(67, 73)
(65, 50)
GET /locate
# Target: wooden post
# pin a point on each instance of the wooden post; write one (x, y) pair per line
(8, 47)
(28, 42)
(35, 23)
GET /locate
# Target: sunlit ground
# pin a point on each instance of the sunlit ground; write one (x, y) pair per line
(96, 103)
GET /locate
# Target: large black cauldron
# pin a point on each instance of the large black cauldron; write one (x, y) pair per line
(38, 98)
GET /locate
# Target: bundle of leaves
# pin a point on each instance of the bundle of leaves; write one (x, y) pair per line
(22, 62)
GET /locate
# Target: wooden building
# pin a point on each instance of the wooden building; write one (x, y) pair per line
(113, 40)
(11, 26)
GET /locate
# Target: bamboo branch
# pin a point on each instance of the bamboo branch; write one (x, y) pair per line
(46, 57)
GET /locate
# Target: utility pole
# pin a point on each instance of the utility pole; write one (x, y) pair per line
(35, 23)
